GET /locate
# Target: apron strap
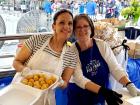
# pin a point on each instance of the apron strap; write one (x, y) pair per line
(46, 43)
(78, 47)
(59, 70)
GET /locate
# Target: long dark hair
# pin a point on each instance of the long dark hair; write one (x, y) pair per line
(61, 12)
(87, 18)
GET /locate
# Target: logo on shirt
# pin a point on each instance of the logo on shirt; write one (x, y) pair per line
(93, 66)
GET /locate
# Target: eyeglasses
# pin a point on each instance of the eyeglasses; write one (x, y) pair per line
(82, 27)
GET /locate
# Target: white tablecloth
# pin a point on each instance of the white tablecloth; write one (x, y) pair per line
(127, 99)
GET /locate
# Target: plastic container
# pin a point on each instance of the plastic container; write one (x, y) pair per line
(19, 94)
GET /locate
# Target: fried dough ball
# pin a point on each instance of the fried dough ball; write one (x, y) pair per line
(29, 77)
(24, 81)
(44, 86)
(42, 82)
(42, 75)
(36, 77)
(49, 81)
(31, 80)
(38, 86)
(41, 79)
(53, 78)
(36, 83)
(30, 84)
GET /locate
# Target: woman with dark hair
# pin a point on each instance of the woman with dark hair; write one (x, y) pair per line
(94, 61)
(43, 52)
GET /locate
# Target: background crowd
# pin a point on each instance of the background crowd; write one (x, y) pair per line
(92, 7)
(111, 8)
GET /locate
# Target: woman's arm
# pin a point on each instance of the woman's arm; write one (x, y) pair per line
(81, 81)
(21, 58)
(26, 51)
(115, 69)
(124, 80)
(66, 75)
(93, 87)
(84, 82)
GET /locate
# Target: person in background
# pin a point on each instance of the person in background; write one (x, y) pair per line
(81, 7)
(110, 6)
(91, 8)
(94, 61)
(101, 6)
(43, 52)
(56, 6)
(64, 5)
(75, 7)
(118, 8)
(47, 7)
(33, 5)
(126, 3)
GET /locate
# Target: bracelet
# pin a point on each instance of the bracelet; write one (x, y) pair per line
(128, 84)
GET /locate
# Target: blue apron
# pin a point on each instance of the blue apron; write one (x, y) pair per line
(61, 96)
(94, 68)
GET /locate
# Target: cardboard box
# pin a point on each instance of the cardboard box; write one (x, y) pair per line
(134, 51)
(137, 50)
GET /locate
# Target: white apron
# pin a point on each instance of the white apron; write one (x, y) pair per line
(42, 60)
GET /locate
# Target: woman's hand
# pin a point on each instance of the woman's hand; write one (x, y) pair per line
(25, 71)
(133, 90)
(61, 83)
(111, 97)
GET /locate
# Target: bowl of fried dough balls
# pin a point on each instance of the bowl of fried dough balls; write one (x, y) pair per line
(41, 81)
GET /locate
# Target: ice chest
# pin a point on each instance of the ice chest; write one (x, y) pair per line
(19, 94)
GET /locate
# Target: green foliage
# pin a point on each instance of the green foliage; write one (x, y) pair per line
(132, 11)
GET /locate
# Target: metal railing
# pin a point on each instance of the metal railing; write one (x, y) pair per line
(21, 36)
